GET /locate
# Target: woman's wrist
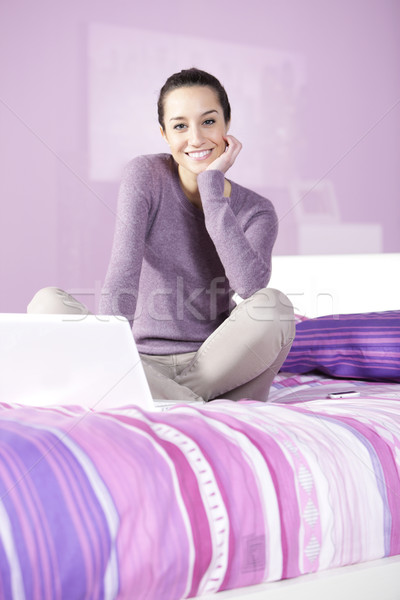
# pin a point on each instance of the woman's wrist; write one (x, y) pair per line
(211, 184)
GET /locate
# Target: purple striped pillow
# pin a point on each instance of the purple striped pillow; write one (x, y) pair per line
(361, 346)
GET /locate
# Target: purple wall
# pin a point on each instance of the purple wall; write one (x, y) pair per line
(344, 122)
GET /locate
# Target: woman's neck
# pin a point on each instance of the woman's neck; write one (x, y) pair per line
(191, 189)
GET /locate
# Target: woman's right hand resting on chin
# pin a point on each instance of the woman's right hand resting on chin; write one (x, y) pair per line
(227, 159)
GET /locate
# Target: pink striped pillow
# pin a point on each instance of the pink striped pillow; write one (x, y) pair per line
(361, 346)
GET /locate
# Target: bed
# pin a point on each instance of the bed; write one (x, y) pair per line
(295, 498)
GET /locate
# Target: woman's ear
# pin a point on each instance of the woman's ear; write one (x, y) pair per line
(163, 134)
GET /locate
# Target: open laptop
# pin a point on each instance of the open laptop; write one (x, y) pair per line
(83, 360)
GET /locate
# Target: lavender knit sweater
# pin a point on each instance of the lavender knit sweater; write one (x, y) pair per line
(173, 267)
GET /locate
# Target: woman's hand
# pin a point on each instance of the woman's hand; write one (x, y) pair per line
(226, 160)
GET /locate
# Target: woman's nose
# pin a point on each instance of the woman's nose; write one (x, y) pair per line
(196, 137)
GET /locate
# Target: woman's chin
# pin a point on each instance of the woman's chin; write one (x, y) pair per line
(197, 168)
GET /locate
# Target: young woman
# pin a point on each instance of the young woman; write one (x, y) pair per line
(186, 239)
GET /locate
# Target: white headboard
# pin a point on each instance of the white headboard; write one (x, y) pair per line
(340, 283)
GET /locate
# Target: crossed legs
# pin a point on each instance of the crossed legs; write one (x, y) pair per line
(238, 360)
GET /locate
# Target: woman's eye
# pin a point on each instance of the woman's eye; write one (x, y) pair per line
(209, 122)
(179, 126)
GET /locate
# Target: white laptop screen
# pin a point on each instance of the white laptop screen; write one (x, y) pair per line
(70, 359)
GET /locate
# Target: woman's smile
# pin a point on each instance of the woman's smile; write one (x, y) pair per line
(199, 154)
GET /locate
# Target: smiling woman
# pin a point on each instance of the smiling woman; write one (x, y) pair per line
(186, 239)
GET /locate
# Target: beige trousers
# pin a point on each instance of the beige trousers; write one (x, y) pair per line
(238, 360)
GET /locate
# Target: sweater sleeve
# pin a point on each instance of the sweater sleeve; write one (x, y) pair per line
(120, 290)
(244, 246)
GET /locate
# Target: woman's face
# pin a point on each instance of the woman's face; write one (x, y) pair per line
(195, 127)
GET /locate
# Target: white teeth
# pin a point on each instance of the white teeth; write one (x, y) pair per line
(199, 154)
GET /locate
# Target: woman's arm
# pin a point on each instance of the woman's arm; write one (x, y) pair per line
(120, 290)
(244, 245)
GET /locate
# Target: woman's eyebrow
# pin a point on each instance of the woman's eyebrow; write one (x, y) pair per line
(213, 110)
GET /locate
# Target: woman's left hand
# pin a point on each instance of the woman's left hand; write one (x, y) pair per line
(226, 160)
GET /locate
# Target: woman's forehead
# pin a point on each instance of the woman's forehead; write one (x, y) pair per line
(191, 98)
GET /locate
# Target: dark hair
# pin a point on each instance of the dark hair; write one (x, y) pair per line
(188, 78)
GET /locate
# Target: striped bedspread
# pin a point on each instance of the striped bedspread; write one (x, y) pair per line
(166, 505)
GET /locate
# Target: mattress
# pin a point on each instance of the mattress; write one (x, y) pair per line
(199, 498)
